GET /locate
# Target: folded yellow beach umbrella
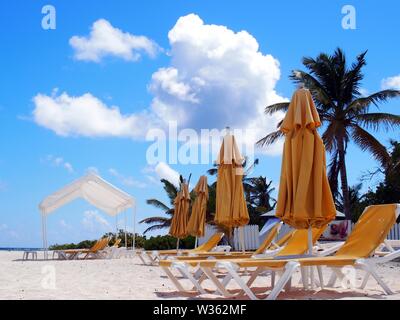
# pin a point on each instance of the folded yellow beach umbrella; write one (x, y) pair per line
(197, 220)
(305, 199)
(231, 209)
(178, 228)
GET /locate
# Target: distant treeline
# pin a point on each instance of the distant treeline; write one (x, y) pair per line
(152, 243)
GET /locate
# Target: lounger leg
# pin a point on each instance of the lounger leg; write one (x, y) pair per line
(320, 277)
(62, 255)
(198, 274)
(232, 270)
(365, 280)
(173, 279)
(220, 288)
(333, 278)
(288, 284)
(225, 281)
(184, 270)
(254, 276)
(273, 277)
(304, 277)
(148, 258)
(202, 278)
(142, 257)
(289, 270)
(370, 269)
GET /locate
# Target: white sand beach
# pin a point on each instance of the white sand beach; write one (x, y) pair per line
(128, 279)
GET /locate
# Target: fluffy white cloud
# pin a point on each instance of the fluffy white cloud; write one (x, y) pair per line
(216, 78)
(391, 83)
(58, 162)
(126, 180)
(93, 221)
(106, 40)
(87, 116)
(164, 171)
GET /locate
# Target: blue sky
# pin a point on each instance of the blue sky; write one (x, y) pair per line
(40, 155)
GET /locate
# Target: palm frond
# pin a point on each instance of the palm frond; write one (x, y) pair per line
(368, 142)
(375, 121)
(319, 93)
(333, 174)
(155, 220)
(158, 204)
(155, 227)
(270, 138)
(281, 106)
(212, 171)
(329, 136)
(352, 78)
(360, 104)
(170, 189)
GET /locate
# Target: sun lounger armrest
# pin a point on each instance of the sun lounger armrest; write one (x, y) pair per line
(330, 250)
(389, 257)
(221, 249)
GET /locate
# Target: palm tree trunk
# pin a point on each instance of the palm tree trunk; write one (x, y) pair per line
(343, 180)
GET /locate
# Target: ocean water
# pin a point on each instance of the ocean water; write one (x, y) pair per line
(21, 249)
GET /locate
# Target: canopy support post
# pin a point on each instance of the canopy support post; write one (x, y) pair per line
(126, 237)
(44, 236)
(134, 227)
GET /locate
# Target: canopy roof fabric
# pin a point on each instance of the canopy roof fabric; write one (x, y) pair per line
(94, 190)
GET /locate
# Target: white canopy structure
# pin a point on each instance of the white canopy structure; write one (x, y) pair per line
(94, 190)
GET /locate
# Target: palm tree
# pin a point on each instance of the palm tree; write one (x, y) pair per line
(214, 170)
(344, 112)
(158, 222)
(258, 197)
(357, 203)
(162, 222)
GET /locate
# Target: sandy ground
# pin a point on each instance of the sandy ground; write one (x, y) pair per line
(126, 278)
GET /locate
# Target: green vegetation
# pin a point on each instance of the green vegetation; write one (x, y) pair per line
(86, 244)
(387, 191)
(168, 242)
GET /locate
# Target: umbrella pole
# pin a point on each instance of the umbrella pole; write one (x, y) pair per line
(310, 251)
(177, 244)
(241, 237)
(196, 243)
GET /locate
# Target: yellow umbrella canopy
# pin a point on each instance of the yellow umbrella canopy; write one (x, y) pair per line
(178, 228)
(305, 198)
(231, 209)
(197, 221)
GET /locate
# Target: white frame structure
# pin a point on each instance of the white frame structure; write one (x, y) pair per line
(94, 190)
